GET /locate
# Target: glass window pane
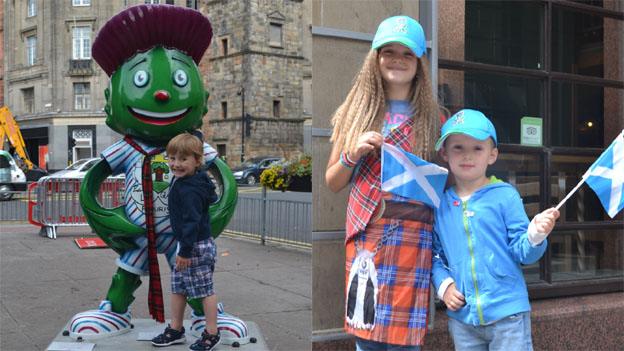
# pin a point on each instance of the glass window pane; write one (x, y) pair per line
(522, 171)
(507, 33)
(504, 99)
(577, 115)
(586, 254)
(577, 42)
(583, 206)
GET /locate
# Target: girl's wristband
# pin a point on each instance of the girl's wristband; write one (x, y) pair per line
(346, 161)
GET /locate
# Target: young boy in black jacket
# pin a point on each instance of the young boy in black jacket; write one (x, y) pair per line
(190, 194)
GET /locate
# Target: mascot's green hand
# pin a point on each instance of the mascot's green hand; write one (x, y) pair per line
(222, 211)
(110, 224)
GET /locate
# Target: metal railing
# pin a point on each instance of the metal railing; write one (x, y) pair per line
(279, 221)
(15, 208)
(51, 203)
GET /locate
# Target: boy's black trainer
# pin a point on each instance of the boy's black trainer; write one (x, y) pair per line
(207, 342)
(169, 337)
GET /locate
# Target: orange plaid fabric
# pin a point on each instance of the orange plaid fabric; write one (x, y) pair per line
(403, 266)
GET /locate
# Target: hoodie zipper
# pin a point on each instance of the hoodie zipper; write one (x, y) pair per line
(472, 260)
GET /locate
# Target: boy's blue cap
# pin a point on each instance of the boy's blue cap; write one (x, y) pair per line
(470, 122)
(403, 30)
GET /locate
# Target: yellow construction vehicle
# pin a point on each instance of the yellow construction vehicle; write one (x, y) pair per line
(15, 166)
(10, 130)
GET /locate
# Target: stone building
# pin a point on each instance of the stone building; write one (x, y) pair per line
(257, 63)
(56, 90)
(52, 85)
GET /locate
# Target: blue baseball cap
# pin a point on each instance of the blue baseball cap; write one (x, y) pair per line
(403, 30)
(470, 122)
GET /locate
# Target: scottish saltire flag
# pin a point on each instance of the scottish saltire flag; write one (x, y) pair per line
(606, 176)
(407, 175)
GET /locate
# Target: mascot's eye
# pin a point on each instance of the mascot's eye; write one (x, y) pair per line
(180, 78)
(141, 78)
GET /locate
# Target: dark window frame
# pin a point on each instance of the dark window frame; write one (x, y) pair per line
(224, 109)
(547, 288)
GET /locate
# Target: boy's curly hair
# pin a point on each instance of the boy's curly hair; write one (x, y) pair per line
(186, 144)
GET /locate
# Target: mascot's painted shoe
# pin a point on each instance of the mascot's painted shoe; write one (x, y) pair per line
(233, 330)
(100, 323)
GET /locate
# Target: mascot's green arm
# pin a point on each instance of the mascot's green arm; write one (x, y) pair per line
(110, 224)
(222, 211)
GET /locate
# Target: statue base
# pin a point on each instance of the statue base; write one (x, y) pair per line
(138, 339)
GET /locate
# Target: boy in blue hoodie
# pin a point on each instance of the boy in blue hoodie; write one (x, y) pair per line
(482, 236)
(190, 195)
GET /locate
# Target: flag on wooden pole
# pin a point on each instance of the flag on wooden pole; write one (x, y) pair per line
(606, 177)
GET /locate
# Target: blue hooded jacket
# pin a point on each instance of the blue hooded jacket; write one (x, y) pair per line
(189, 198)
(480, 244)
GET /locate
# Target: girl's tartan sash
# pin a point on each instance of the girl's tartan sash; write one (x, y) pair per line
(366, 191)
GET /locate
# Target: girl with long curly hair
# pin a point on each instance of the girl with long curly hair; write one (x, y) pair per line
(388, 237)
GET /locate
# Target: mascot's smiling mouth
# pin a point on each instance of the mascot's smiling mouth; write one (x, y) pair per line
(158, 118)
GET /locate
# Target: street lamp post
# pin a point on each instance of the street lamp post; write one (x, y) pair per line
(241, 92)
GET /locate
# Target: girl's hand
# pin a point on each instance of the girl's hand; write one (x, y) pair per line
(545, 221)
(453, 299)
(182, 263)
(366, 143)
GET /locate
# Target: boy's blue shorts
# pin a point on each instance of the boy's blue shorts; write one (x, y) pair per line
(196, 281)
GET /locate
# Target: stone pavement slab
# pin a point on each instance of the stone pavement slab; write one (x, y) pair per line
(44, 282)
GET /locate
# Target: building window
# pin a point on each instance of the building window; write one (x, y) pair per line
(562, 81)
(82, 96)
(224, 46)
(169, 2)
(31, 50)
(224, 109)
(222, 151)
(81, 42)
(31, 8)
(276, 108)
(152, 2)
(192, 4)
(275, 34)
(29, 100)
(81, 2)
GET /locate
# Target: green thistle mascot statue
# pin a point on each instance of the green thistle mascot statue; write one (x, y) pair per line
(156, 91)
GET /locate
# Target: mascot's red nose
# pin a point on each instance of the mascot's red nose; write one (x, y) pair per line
(161, 95)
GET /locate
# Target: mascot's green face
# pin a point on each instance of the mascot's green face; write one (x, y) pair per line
(156, 95)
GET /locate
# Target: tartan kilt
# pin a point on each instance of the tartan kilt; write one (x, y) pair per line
(403, 266)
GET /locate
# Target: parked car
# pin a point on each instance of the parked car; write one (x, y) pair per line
(79, 169)
(249, 172)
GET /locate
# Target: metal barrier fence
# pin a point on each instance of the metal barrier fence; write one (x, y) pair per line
(280, 221)
(54, 202)
(15, 208)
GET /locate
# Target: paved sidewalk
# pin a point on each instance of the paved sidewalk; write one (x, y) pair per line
(44, 282)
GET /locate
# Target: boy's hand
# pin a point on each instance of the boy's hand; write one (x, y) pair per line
(182, 263)
(545, 221)
(453, 299)
(366, 143)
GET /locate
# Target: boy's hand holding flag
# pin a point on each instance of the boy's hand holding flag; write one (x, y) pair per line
(407, 175)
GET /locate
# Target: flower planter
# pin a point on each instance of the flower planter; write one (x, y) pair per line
(302, 184)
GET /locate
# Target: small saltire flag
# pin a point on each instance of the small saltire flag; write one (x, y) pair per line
(407, 175)
(606, 176)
